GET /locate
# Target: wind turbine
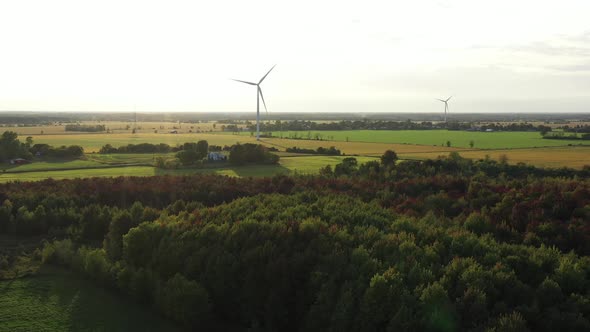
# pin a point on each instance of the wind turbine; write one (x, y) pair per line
(258, 96)
(446, 105)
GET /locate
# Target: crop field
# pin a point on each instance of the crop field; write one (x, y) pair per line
(515, 146)
(56, 300)
(93, 142)
(573, 157)
(481, 140)
(116, 127)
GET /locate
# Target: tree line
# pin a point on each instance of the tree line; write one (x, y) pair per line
(567, 135)
(85, 128)
(11, 147)
(303, 125)
(331, 151)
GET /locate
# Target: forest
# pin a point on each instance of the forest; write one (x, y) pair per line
(450, 244)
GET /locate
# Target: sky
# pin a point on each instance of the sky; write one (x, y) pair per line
(331, 56)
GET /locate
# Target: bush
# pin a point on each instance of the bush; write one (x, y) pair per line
(251, 153)
(58, 252)
(95, 264)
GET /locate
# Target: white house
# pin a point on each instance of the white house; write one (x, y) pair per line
(216, 156)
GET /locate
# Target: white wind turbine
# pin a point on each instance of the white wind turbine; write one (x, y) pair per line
(446, 105)
(258, 96)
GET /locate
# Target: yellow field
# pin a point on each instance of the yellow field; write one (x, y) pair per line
(571, 156)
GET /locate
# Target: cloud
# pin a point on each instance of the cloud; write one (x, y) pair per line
(551, 49)
(572, 68)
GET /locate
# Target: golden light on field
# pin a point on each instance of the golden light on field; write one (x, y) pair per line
(567, 156)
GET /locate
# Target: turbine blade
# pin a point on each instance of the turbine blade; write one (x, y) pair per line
(245, 82)
(262, 96)
(439, 99)
(449, 98)
(263, 77)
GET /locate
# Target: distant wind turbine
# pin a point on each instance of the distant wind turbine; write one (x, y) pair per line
(258, 96)
(446, 105)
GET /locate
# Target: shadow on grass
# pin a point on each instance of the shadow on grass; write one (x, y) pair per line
(231, 170)
(57, 300)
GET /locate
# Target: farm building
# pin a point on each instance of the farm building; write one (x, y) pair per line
(216, 156)
(19, 161)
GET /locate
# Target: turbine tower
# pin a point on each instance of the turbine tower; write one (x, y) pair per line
(446, 105)
(258, 96)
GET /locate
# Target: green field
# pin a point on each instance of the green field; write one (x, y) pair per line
(288, 165)
(127, 158)
(482, 140)
(57, 165)
(56, 300)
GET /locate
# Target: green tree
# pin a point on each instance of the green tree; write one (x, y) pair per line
(185, 301)
(113, 243)
(348, 166)
(11, 147)
(187, 157)
(389, 158)
(513, 322)
(437, 310)
(202, 149)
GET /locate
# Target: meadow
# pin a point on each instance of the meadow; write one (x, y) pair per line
(288, 165)
(57, 300)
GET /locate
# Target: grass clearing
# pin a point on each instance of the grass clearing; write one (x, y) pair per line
(55, 165)
(56, 300)
(127, 158)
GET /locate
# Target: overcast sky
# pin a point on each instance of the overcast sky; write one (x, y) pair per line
(347, 56)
